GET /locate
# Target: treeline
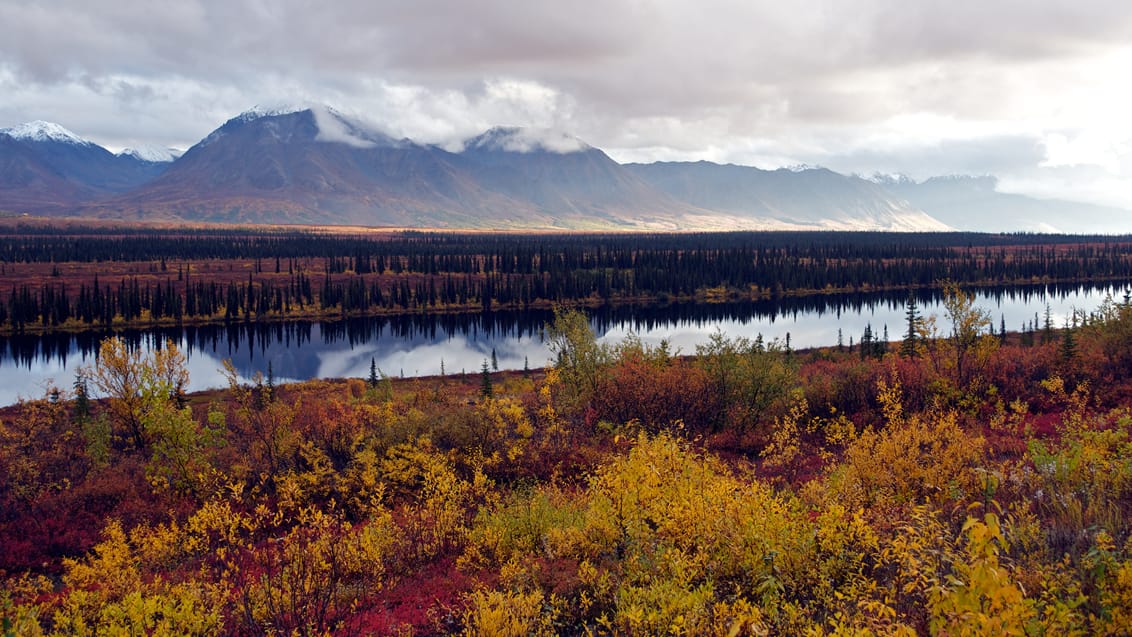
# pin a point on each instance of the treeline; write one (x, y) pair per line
(303, 274)
(504, 251)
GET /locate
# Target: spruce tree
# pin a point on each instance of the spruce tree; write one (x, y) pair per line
(867, 342)
(1069, 342)
(485, 380)
(912, 315)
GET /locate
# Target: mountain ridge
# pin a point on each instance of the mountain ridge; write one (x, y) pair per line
(313, 164)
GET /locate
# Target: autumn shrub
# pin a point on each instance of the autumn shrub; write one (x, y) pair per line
(578, 357)
(526, 524)
(869, 509)
(309, 580)
(753, 380)
(982, 594)
(1111, 331)
(336, 427)
(439, 503)
(265, 437)
(844, 386)
(1085, 479)
(493, 613)
(1016, 372)
(1112, 570)
(666, 511)
(42, 459)
(108, 593)
(923, 457)
(657, 394)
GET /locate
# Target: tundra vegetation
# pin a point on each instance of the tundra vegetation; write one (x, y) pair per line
(957, 482)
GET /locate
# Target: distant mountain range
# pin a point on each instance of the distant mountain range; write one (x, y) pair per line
(313, 165)
(974, 203)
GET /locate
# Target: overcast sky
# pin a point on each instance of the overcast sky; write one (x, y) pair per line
(1038, 92)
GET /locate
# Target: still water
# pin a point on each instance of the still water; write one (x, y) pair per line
(426, 345)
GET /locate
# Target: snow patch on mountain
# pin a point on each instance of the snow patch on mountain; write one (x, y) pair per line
(41, 131)
(260, 111)
(152, 153)
(526, 140)
(889, 179)
(801, 168)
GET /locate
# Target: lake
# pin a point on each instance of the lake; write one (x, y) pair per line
(422, 345)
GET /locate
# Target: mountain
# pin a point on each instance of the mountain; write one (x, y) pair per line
(565, 178)
(314, 165)
(152, 154)
(804, 197)
(974, 203)
(28, 183)
(46, 168)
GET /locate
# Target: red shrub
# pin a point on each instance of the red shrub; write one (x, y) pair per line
(656, 394)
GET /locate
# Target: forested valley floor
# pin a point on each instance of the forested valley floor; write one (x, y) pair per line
(56, 278)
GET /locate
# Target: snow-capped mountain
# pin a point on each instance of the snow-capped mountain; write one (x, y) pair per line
(313, 164)
(46, 168)
(152, 153)
(41, 131)
(329, 126)
(261, 110)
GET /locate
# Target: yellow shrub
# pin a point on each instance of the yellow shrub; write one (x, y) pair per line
(674, 526)
(106, 594)
(523, 525)
(509, 614)
(981, 599)
(921, 458)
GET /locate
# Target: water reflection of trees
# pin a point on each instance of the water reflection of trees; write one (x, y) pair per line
(251, 341)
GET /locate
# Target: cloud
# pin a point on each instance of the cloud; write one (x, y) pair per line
(863, 84)
(333, 127)
(527, 140)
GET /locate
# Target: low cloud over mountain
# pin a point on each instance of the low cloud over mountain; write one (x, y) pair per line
(311, 164)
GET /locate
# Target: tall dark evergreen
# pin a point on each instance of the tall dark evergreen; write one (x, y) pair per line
(1069, 341)
(1047, 325)
(485, 381)
(913, 321)
(373, 378)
